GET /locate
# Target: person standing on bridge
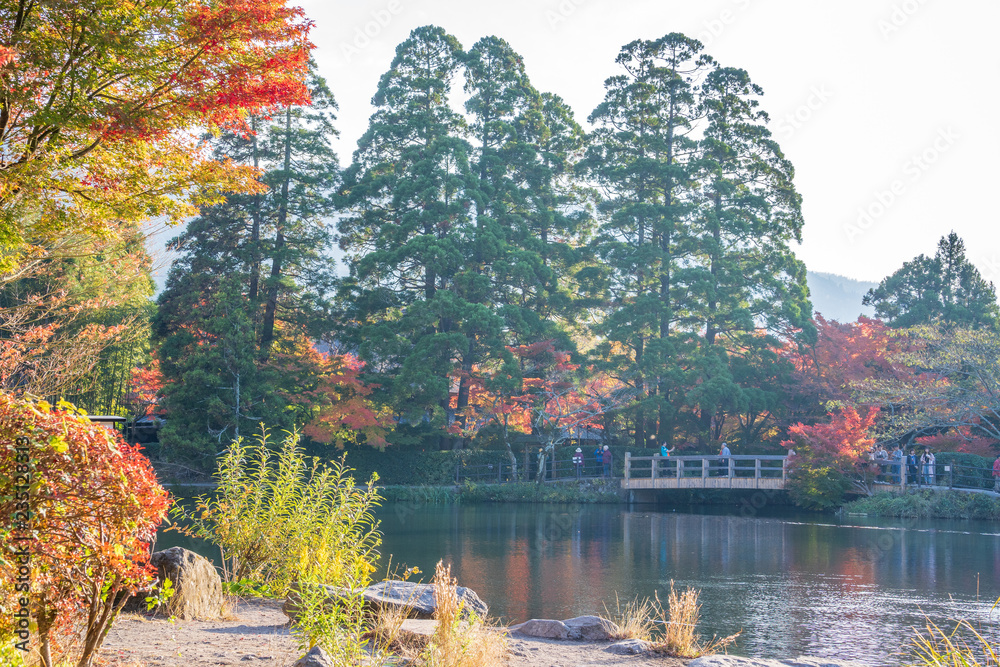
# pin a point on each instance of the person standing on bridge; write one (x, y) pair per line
(724, 455)
(578, 462)
(606, 461)
(913, 468)
(996, 474)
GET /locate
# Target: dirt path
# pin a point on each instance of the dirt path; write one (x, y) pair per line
(259, 635)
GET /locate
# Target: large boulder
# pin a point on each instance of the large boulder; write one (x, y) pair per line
(417, 600)
(197, 585)
(592, 628)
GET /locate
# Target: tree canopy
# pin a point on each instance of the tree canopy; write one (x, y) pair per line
(944, 289)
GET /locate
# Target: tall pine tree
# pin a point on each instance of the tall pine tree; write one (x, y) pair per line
(411, 231)
(254, 277)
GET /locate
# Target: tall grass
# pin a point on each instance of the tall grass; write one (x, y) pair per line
(672, 629)
(458, 641)
(962, 647)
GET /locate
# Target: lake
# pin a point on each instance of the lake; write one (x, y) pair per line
(848, 587)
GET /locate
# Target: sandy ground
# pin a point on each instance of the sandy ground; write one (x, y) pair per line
(259, 635)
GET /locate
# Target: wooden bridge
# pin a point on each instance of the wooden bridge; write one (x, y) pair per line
(705, 472)
(652, 473)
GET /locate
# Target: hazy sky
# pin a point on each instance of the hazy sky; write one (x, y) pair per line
(888, 109)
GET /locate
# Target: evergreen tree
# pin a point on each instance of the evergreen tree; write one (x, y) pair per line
(699, 210)
(411, 234)
(944, 289)
(254, 277)
(747, 281)
(522, 146)
(644, 158)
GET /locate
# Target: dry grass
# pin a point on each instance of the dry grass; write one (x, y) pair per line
(672, 630)
(385, 634)
(940, 649)
(680, 623)
(456, 642)
(634, 620)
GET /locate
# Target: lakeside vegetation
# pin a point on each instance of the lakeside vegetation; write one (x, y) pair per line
(928, 505)
(515, 283)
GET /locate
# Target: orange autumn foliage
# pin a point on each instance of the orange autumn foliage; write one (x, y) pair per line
(90, 509)
(329, 389)
(102, 100)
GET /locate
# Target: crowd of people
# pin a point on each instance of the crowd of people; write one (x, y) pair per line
(920, 468)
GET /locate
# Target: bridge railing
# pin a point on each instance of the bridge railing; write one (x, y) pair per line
(684, 467)
(943, 474)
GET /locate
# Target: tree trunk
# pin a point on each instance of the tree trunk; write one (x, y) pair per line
(253, 291)
(267, 329)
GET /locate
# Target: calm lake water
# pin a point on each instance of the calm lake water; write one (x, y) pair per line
(794, 584)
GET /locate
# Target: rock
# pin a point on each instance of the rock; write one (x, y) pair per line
(316, 657)
(416, 633)
(544, 628)
(197, 585)
(630, 647)
(737, 661)
(418, 599)
(809, 661)
(592, 628)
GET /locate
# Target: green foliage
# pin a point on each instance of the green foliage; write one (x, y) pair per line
(817, 488)
(590, 491)
(249, 588)
(697, 220)
(420, 495)
(279, 519)
(944, 289)
(161, 595)
(338, 625)
(928, 505)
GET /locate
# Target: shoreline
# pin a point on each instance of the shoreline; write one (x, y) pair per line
(259, 633)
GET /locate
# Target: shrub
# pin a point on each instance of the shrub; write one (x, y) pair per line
(278, 519)
(928, 504)
(94, 506)
(816, 487)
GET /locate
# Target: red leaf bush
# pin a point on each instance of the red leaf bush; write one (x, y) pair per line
(94, 506)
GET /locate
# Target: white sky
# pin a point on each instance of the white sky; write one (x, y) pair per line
(875, 85)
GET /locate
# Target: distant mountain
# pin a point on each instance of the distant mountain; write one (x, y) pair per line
(838, 298)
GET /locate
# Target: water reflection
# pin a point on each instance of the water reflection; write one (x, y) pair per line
(792, 585)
